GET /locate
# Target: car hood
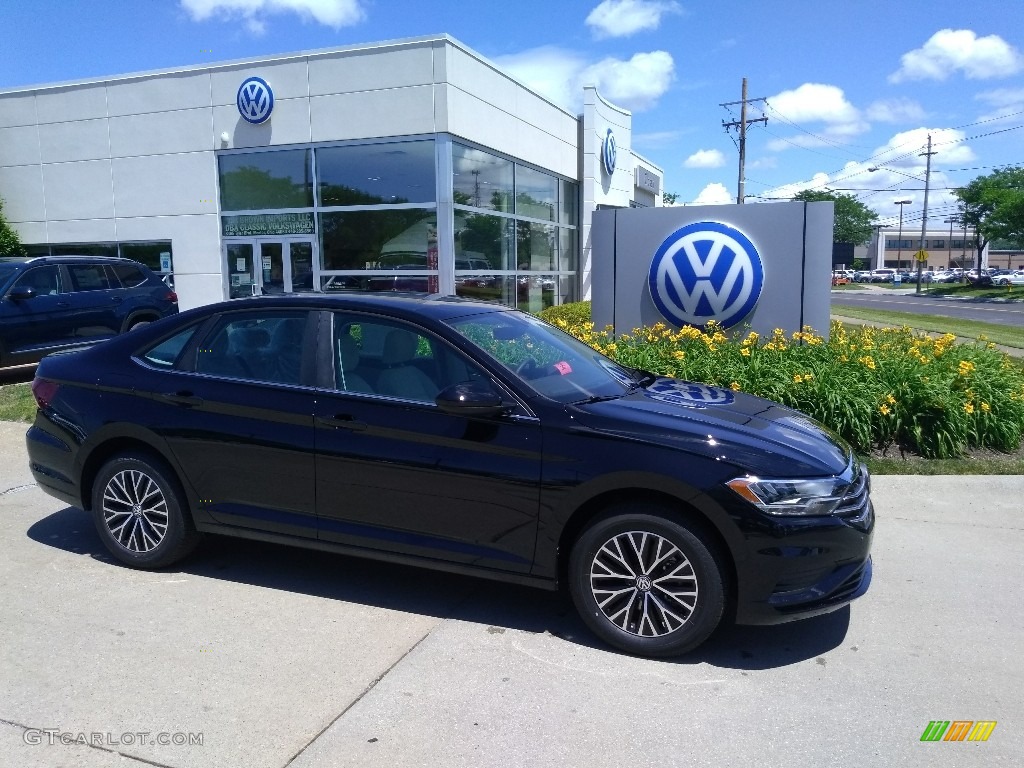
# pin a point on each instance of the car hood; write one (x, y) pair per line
(756, 435)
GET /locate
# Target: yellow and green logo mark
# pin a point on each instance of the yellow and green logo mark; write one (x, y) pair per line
(958, 730)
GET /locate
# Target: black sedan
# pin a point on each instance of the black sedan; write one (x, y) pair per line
(457, 435)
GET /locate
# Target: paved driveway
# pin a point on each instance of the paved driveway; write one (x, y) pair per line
(278, 657)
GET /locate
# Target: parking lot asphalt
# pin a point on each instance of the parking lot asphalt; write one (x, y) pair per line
(273, 656)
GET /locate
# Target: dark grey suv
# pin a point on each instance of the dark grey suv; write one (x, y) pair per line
(49, 303)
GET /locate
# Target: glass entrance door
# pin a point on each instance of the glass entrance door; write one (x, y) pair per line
(269, 265)
(242, 277)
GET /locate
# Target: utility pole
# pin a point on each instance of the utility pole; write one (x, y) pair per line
(742, 124)
(924, 219)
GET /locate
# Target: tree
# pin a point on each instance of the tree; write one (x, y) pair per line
(854, 221)
(10, 243)
(669, 198)
(993, 206)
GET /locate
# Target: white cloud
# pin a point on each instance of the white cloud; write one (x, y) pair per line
(952, 50)
(1003, 97)
(815, 102)
(622, 18)
(948, 143)
(714, 194)
(705, 158)
(636, 84)
(550, 71)
(560, 75)
(330, 13)
(895, 111)
(1008, 103)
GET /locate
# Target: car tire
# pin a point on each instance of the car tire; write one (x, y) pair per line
(614, 580)
(140, 512)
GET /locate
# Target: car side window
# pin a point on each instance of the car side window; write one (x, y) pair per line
(130, 276)
(89, 277)
(256, 346)
(45, 280)
(166, 353)
(374, 356)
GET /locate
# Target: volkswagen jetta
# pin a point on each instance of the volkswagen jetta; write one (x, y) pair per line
(463, 436)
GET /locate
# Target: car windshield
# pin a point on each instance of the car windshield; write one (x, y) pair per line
(551, 362)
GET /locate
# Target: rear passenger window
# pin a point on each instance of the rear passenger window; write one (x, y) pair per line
(258, 346)
(88, 277)
(130, 277)
(166, 353)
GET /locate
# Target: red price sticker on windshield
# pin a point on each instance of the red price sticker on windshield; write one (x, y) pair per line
(563, 368)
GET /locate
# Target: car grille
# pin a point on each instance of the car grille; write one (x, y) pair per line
(855, 508)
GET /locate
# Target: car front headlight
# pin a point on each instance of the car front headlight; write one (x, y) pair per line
(817, 496)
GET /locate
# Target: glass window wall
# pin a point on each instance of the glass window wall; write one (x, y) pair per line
(481, 180)
(256, 181)
(376, 174)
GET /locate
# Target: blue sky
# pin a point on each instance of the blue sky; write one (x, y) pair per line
(850, 85)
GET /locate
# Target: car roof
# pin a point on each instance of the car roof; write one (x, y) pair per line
(65, 259)
(407, 305)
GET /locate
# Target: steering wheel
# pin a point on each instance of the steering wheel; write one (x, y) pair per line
(526, 368)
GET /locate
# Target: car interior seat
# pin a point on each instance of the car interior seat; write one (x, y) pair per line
(347, 360)
(400, 378)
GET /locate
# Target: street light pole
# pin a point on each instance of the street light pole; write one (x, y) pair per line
(924, 219)
(899, 237)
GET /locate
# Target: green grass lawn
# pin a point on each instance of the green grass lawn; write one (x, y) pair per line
(17, 403)
(1008, 336)
(961, 291)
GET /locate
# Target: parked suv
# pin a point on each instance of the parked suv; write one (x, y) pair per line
(49, 303)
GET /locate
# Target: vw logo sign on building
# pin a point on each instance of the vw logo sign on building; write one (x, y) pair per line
(255, 100)
(609, 152)
(706, 271)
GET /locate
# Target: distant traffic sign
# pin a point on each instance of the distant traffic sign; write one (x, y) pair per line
(921, 255)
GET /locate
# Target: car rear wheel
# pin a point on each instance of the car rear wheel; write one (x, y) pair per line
(646, 583)
(140, 512)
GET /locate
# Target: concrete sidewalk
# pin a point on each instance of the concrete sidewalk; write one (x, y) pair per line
(280, 657)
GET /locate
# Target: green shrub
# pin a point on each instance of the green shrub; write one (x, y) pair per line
(878, 388)
(575, 313)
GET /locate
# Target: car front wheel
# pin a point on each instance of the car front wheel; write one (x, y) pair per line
(140, 512)
(646, 583)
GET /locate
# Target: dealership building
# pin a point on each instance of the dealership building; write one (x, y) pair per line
(414, 164)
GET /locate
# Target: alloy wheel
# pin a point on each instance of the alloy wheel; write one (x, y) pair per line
(644, 584)
(135, 511)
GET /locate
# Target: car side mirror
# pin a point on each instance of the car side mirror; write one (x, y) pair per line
(22, 293)
(470, 398)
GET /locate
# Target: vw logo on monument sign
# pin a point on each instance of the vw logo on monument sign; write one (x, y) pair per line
(255, 100)
(706, 271)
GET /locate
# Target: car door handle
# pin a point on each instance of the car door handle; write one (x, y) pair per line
(186, 399)
(116, 299)
(63, 304)
(341, 421)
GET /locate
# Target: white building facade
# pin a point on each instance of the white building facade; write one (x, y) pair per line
(407, 165)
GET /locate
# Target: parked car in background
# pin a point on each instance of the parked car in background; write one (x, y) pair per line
(978, 278)
(49, 303)
(463, 436)
(862, 276)
(1009, 278)
(882, 275)
(839, 278)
